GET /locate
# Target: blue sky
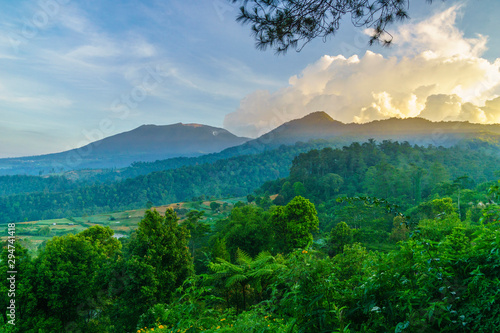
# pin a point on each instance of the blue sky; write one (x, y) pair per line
(72, 72)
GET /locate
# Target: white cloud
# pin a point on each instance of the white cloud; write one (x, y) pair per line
(440, 37)
(438, 74)
(93, 51)
(73, 18)
(442, 107)
(492, 110)
(142, 49)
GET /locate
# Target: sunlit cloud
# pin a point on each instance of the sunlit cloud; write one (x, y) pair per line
(437, 74)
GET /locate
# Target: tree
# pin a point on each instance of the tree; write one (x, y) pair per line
(158, 261)
(246, 229)
(299, 189)
(103, 240)
(331, 184)
(219, 249)
(264, 202)
(436, 208)
(293, 224)
(162, 243)
(340, 236)
(196, 228)
(287, 190)
(246, 275)
(214, 206)
(279, 200)
(400, 229)
(67, 292)
(459, 183)
(250, 198)
(282, 24)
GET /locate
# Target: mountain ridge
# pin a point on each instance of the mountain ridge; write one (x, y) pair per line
(145, 143)
(149, 142)
(319, 125)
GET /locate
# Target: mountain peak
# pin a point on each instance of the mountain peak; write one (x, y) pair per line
(193, 125)
(318, 116)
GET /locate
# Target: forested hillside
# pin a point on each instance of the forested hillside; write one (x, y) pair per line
(18, 184)
(274, 268)
(224, 178)
(407, 172)
(399, 172)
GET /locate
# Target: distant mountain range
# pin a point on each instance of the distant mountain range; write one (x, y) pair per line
(145, 143)
(151, 142)
(319, 125)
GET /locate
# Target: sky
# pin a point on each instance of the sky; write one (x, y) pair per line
(73, 72)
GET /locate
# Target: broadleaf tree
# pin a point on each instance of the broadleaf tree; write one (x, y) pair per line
(293, 224)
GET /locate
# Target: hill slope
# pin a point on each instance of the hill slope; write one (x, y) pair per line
(145, 143)
(319, 125)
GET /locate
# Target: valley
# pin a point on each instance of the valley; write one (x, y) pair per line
(221, 235)
(162, 171)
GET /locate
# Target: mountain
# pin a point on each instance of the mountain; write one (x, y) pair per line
(319, 125)
(328, 132)
(145, 143)
(173, 146)
(156, 142)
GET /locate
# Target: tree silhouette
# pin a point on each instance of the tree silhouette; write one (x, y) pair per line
(284, 24)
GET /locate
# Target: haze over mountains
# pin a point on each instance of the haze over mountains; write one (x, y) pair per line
(152, 142)
(319, 125)
(145, 143)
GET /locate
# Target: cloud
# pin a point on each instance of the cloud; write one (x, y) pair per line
(491, 110)
(440, 36)
(91, 51)
(442, 107)
(437, 73)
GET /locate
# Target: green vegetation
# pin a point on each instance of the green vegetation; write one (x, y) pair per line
(367, 238)
(10, 185)
(36, 233)
(233, 177)
(441, 278)
(387, 170)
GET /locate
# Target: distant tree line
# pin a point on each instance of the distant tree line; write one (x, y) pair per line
(389, 169)
(235, 176)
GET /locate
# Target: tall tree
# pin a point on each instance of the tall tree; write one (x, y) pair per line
(161, 243)
(157, 262)
(293, 224)
(340, 236)
(196, 228)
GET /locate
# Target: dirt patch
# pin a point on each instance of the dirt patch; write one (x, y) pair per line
(207, 203)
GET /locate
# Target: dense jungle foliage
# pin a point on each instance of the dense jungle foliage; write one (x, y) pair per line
(342, 247)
